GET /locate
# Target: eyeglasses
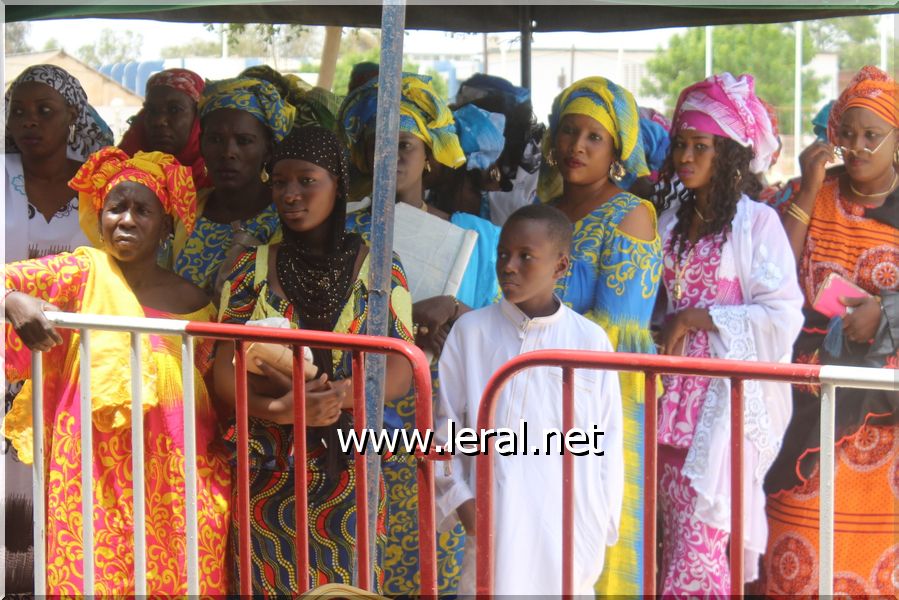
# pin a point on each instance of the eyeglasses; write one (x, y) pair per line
(844, 151)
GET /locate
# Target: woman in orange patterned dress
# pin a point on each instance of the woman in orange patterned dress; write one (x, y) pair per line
(125, 205)
(848, 224)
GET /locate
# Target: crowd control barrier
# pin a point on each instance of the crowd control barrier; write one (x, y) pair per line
(829, 377)
(359, 345)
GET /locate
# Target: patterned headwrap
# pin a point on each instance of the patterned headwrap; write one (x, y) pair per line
(655, 116)
(315, 105)
(191, 84)
(480, 85)
(255, 96)
(775, 129)
(422, 113)
(611, 106)
(656, 142)
(171, 182)
(728, 107)
(480, 135)
(872, 89)
(819, 122)
(91, 132)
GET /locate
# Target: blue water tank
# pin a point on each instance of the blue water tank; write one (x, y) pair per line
(144, 71)
(106, 69)
(129, 79)
(118, 72)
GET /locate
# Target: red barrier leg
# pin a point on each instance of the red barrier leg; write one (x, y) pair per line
(736, 487)
(567, 486)
(299, 470)
(650, 479)
(243, 467)
(363, 561)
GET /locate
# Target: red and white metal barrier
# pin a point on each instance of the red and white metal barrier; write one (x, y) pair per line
(828, 377)
(240, 334)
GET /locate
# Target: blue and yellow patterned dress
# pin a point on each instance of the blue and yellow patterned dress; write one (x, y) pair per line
(198, 257)
(332, 502)
(401, 565)
(613, 281)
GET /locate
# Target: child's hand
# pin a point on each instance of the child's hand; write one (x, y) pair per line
(272, 383)
(468, 515)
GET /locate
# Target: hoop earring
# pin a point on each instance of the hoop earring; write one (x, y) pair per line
(263, 175)
(896, 156)
(72, 133)
(617, 171)
(551, 158)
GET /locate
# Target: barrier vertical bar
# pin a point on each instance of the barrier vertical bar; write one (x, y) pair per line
(650, 479)
(567, 485)
(137, 469)
(736, 487)
(87, 467)
(243, 468)
(427, 539)
(363, 573)
(37, 469)
(825, 534)
(190, 465)
(301, 493)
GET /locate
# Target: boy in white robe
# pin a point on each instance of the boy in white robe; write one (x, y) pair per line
(533, 252)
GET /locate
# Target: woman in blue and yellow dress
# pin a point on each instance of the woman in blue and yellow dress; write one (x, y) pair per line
(592, 144)
(316, 278)
(240, 119)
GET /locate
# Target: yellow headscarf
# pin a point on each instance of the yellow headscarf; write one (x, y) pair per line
(611, 106)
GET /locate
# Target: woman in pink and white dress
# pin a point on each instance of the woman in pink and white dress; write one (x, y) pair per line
(732, 292)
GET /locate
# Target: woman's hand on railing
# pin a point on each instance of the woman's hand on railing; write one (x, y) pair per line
(26, 315)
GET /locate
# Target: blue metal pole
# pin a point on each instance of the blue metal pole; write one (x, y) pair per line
(393, 21)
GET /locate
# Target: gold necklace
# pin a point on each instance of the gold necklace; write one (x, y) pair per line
(878, 194)
(699, 214)
(423, 206)
(678, 288)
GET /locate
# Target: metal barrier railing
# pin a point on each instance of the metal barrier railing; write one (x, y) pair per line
(829, 377)
(240, 334)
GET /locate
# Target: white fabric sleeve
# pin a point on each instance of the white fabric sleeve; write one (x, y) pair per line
(451, 478)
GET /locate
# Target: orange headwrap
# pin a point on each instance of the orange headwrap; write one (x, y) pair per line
(161, 173)
(872, 89)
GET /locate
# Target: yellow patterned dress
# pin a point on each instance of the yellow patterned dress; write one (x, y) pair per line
(89, 281)
(613, 281)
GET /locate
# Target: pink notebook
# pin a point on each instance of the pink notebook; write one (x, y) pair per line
(827, 300)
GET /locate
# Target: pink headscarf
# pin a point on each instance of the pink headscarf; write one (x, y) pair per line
(727, 106)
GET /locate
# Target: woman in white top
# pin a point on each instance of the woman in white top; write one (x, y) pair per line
(50, 130)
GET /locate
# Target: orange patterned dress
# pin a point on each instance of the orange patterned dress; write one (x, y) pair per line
(89, 281)
(863, 246)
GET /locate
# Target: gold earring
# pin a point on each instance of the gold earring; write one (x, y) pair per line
(617, 171)
(551, 158)
(495, 174)
(738, 175)
(263, 175)
(427, 166)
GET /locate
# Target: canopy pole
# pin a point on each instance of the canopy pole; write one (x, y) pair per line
(709, 51)
(328, 64)
(797, 100)
(526, 32)
(393, 21)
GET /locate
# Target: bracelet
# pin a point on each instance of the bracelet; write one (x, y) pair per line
(457, 309)
(799, 214)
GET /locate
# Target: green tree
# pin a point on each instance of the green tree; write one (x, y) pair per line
(855, 40)
(194, 48)
(348, 59)
(765, 51)
(16, 41)
(112, 47)
(269, 40)
(52, 44)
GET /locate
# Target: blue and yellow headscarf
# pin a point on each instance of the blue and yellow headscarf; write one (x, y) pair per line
(255, 96)
(614, 108)
(480, 135)
(422, 113)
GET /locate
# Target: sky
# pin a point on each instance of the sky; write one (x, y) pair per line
(157, 35)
